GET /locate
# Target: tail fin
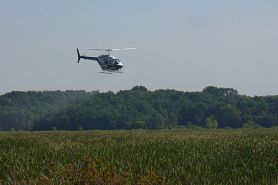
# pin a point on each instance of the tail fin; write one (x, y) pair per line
(78, 55)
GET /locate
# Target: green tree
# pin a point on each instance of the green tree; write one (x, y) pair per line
(229, 115)
(211, 122)
(135, 108)
(250, 124)
(139, 124)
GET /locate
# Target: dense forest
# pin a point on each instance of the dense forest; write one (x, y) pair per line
(135, 109)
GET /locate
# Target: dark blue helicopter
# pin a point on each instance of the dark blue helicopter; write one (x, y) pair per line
(107, 62)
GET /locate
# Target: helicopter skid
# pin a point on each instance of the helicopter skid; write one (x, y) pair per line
(111, 72)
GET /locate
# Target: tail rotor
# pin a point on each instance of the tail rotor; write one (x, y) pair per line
(78, 55)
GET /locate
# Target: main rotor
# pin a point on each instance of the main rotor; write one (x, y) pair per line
(110, 50)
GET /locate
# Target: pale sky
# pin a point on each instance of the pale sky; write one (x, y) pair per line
(182, 44)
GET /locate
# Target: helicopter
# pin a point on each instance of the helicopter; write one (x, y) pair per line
(107, 62)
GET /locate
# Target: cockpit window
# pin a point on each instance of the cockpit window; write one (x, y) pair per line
(116, 61)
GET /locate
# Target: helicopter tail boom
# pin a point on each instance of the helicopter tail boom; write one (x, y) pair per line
(85, 57)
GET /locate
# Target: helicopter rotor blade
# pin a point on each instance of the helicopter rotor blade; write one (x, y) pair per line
(95, 49)
(122, 49)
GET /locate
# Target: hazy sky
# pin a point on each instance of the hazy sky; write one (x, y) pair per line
(182, 44)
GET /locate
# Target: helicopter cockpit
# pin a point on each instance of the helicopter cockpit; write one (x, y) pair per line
(109, 60)
(116, 61)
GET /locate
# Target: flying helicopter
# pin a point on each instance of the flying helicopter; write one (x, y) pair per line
(107, 62)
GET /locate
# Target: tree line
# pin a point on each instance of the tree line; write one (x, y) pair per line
(137, 108)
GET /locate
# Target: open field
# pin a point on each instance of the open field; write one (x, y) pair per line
(140, 157)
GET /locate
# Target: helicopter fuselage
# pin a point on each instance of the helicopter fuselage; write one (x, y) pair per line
(106, 62)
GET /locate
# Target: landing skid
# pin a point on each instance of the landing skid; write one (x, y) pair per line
(105, 72)
(111, 72)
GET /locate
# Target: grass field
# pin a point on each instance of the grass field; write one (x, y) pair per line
(140, 157)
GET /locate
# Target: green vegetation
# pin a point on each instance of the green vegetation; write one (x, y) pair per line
(137, 108)
(212, 123)
(178, 156)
